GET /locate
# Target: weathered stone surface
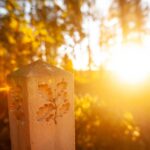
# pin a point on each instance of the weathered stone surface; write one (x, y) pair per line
(41, 108)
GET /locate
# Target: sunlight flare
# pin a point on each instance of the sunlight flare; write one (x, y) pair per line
(130, 63)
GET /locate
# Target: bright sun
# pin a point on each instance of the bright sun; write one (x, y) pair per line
(130, 63)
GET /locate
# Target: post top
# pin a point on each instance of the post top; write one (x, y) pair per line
(38, 68)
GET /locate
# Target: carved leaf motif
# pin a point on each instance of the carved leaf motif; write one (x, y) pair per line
(16, 102)
(58, 103)
(64, 108)
(62, 84)
(45, 112)
(45, 88)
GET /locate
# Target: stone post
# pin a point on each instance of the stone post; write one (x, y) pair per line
(41, 108)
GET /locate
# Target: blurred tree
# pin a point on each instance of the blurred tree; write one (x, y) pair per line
(67, 63)
(32, 29)
(125, 22)
(90, 16)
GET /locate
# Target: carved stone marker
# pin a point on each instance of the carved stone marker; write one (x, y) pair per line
(41, 108)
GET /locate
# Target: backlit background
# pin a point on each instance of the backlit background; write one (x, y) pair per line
(105, 44)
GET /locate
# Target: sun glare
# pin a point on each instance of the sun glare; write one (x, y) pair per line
(130, 63)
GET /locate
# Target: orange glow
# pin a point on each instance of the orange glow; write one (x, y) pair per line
(5, 88)
(130, 63)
